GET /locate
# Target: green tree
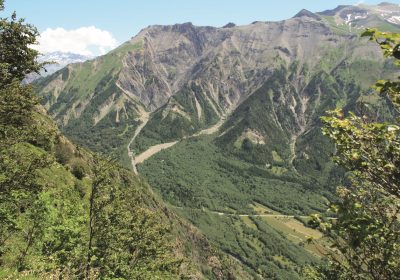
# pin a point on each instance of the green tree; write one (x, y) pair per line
(126, 240)
(19, 161)
(17, 59)
(366, 233)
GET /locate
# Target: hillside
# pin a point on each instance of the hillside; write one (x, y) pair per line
(62, 188)
(224, 123)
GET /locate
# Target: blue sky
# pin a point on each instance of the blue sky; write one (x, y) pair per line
(125, 18)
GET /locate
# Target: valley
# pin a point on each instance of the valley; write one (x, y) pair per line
(224, 123)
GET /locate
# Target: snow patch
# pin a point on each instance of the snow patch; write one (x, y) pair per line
(394, 19)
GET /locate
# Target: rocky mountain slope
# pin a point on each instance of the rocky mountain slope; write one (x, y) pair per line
(259, 89)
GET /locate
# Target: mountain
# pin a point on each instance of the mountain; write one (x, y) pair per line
(384, 16)
(59, 60)
(224, 123)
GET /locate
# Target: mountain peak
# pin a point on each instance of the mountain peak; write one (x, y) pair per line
(229, 25)
(307, 13)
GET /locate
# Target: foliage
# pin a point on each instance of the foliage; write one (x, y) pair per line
(51, 190)
(79, 168)
(125, 240)
(366, 234)
(196, 174)
(263, 249)
(16, 112)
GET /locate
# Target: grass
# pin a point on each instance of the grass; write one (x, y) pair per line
(276, 157)
(248, 222)
(127, 47)
(14, 274)
(299, 234)
(262, 209)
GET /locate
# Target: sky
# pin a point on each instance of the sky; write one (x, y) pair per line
(93, 27)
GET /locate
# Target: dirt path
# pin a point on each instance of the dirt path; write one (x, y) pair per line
(152, 151)
(240, 215)
(211, 129)
(256, 215)
(144, 118)
(253, 215)
(158, 148)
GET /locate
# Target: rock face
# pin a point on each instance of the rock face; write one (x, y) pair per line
(306, 13)
(190, 77)
(227, 63)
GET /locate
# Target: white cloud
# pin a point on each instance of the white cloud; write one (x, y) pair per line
(87, 40)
